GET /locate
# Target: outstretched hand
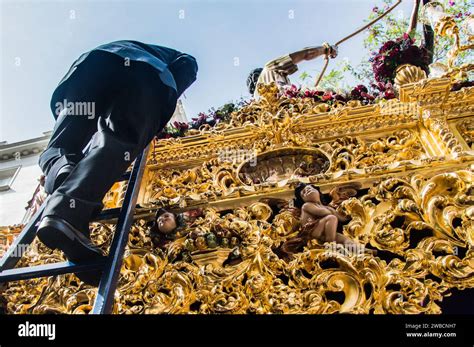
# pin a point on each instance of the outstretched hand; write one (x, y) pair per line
(310, 53)
(333, 50)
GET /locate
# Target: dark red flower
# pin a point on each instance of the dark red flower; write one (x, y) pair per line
(309, 93)
(386, 46)
(292, 91)
(327, 96)
(181, 125)
(358, 90)
(367, 96)
(389, 94)
(394, 53)
(340, 97)
(410, 55)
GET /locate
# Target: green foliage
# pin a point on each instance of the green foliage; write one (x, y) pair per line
(333, 79)
(391, 27)
(305, 76)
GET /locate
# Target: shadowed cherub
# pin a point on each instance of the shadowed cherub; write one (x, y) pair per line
(319, 221)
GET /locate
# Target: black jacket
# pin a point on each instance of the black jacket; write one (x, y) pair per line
(158, 57)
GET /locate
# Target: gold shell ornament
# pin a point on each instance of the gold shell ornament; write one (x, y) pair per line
(408, 73)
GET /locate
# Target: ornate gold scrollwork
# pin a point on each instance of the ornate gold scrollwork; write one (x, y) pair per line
(235, 267)
(399, 169)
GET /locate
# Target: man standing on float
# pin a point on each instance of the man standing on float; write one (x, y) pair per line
(117, 96)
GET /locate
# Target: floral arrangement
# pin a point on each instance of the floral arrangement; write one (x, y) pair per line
(211, 118)
(392, 54)
(378, 91)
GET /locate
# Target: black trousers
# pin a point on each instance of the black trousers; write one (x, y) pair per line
(116, 107)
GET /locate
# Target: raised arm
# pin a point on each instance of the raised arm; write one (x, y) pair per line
(339, 216)
(310, 53)
(315, 210)
(319, 211)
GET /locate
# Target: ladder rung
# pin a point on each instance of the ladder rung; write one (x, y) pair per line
(109, 213)
(24, 273)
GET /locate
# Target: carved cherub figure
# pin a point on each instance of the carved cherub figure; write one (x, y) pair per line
(319, 221)
(165, 227)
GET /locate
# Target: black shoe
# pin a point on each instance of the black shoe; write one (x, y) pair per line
(58, 174)
(56, 233)
(91, 278)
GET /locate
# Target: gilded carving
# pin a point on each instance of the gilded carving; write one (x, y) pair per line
(466, 128)
(399, 169)
(235, 268)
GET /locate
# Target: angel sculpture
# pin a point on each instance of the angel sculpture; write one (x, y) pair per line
(319, 221)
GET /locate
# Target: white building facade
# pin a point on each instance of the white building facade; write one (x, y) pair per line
(19, 177)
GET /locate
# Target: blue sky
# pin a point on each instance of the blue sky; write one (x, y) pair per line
(40, 39)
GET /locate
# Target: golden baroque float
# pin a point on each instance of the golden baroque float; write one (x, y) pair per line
(402, 170)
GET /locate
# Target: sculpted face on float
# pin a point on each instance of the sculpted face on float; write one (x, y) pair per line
(166, 222)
